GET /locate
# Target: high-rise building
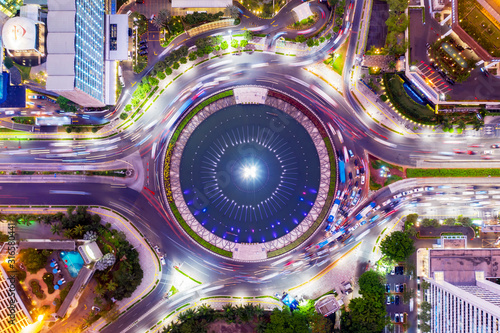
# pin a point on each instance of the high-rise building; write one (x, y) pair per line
(461, 298)
(79, 66)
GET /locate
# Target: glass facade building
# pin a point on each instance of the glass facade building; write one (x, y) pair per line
(464, 308)
(89, 47)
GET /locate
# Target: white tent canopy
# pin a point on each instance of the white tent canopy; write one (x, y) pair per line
(201, 3)
(303, 11)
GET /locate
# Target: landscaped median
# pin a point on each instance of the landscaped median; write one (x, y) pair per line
(166, 174)
(480, 172)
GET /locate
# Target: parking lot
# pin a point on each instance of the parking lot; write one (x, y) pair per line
(395, 305)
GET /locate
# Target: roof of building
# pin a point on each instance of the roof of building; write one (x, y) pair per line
(30, 11)
(201, 3)
(61, 21)
(42, 244)
(61, 64)
(23, 317)
(90, 252)
(61, 42)
(19, 33)
(459, 265)
(121, 39)
(82, 278)
(61, 5)
(59, 82)
(327, 305)
(303, 11)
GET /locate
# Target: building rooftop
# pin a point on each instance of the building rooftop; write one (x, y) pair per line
(41, 244)
(459, 265)
(61, 5)
(83, 277)
(200, 3)
(61, 21)
(23, 317)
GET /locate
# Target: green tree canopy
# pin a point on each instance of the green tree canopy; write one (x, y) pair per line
(398, 246)
(287, 322)
(34, 260)
(370, 283)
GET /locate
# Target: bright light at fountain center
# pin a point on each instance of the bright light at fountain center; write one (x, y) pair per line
(250, 172)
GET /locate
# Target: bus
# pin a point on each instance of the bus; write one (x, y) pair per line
(342, 172)
(334, 210)
(366, 210)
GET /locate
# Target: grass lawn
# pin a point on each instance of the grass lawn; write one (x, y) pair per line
(403, 103)
(483, 172)
(25, 71)
(480, 27)
(338, 64)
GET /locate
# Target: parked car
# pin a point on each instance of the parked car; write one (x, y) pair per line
(143, 52)
(396, 317)
(357, 172)
(363, 180)
(392, 299)
(388, 301)
(143, 47)
(350, 153)
(96, 309)
(401, 288)
(162, 260)
(397, 299)
(350, 175)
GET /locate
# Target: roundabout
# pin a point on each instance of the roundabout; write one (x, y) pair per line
(249, 181)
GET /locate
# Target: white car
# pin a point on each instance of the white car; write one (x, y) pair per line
(162, 260)
(488, 152)
(363, 180)
(402, 317)
(385, 203)
(421, 189)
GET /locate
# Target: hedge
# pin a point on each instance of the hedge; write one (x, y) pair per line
(480, 172)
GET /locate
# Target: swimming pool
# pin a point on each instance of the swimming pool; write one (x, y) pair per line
(73, 260)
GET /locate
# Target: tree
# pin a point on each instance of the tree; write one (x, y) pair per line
(392, 65)
(228, 313)
(123, 115)
(161, 75)
(285, 321)
(370, 283)
(192, 56)
(224, 45)
(248, 35)
(235, 44)
(232, 11)
(168, 71)
(34, 260)
(300, 39)
(450, 221)
(111, 286)
(398, 246)
(161, 19)
(55, 229)
(320, 324)
(366, 315)
(310, 42)
(397, 5)
(243, 43)
(175, 65)
(183, 60)
(466, 222)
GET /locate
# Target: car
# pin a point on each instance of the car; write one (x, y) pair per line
(396, 300)
(357, 172)
(339, 193)
(144, 41)
(350, 175)
(32, 97)
(143, 52)
(488, 152)
(388, 301)
(356, 183)
(129, 13)
(363, 223)
(486, 157)
(401, 288)
(96, 309)
(392, 299)
(402, 317)
(396, 318)
(399, 195)
(429, 188)
(40, 106)
(363, 180)
(356, 162)
(143, 47)
(393, 272)
(362, 170)
(8, 113)
(485, 72)
(157, 248)
(152, 18)
(162, 260)
(351, 155)
(421, 189)
(459, 151)
(495, 146)
(385, 203)
(427, 45)
(471, 152)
